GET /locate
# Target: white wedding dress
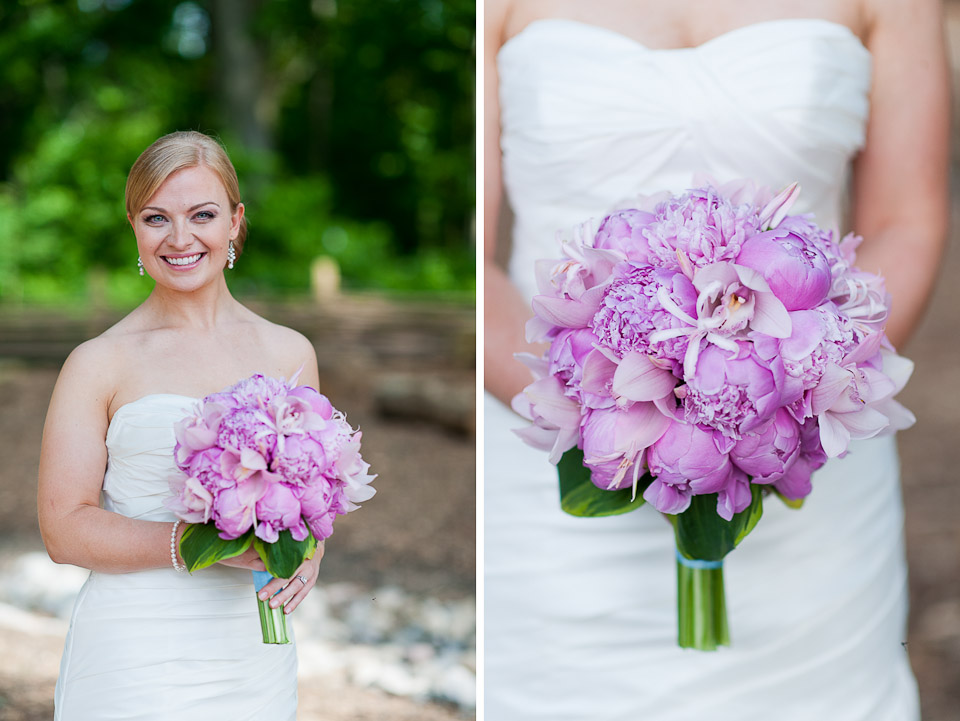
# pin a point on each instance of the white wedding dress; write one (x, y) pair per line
(580, 614)
(158, 645)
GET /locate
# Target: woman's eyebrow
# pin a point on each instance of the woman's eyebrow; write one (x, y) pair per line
(198, 205)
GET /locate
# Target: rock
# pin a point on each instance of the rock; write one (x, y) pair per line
(457, 685)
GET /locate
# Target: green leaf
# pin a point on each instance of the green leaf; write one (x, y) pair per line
(201, 546)
(579, 497)
(284, 557)
(705, 536)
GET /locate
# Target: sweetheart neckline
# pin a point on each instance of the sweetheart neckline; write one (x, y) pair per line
(145, 397)
(710, 42)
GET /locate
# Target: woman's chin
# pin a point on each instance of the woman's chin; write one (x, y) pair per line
(187, 278)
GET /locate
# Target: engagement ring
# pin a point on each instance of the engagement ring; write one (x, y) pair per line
(303, 579)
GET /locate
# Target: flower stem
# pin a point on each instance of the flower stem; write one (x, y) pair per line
(273, 623)
(701, 608)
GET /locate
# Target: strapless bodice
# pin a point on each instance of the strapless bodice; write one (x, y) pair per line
(590, 118)
(140, 460)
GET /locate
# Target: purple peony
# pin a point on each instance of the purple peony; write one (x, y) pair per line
(768, 453)
(623, 231)
(632, 311)
(715, 342)
(794, 268)
(567, 354)
(701, 225)
(732, 393)
(689, 454)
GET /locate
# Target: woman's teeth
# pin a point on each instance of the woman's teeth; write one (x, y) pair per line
(187, 260)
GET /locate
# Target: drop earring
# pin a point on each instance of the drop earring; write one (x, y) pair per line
(140, 264)
(231, 255)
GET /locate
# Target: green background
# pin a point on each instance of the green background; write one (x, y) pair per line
(350, 122)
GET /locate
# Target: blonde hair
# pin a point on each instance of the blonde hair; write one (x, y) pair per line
(176, 151)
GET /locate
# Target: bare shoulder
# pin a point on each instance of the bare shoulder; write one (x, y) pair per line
(92, 369)
(289, 349)
(290, 342)
(904, 17)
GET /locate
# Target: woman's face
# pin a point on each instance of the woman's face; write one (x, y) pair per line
(184, 229)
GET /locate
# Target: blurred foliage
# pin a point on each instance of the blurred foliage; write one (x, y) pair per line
(350, 122)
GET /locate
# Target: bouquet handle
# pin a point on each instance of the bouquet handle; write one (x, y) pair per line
(701, 605)
(273, 621)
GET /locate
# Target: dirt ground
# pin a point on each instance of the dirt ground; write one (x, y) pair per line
(417, 533)
(930, 457)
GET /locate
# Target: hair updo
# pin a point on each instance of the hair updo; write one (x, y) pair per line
(176, 151)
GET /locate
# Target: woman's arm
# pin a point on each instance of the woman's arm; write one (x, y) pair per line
(901, 192)
(505, 311)
(73, 457)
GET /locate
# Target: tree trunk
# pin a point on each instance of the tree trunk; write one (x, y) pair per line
(240, 67)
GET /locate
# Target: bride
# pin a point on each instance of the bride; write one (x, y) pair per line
(587, 104)
(145, 641)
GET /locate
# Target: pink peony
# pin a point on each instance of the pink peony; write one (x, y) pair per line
(252, 452)
(278, 510)
(206, 466)
(614, 440)
(300, 461)
(321, 504)
(623, 231)
(192, 502)
(233, 516)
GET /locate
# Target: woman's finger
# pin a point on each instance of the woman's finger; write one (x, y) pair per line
(271, 588)
(297, 587)
(293, 590)
(301, 590)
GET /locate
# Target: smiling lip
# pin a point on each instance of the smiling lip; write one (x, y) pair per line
(183, 262)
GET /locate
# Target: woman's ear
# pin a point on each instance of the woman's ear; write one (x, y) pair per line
(235, 221)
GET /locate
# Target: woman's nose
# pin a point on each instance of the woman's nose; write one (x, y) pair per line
(180, 236)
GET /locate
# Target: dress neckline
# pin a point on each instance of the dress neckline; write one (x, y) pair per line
(141, 399)
(760, 26)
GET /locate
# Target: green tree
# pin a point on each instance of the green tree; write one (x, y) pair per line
(350, 122)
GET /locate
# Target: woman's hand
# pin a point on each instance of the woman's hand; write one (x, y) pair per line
(248, 559)
(293, 590)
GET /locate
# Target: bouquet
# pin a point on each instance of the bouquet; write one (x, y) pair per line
(266, 463)
(706, 352)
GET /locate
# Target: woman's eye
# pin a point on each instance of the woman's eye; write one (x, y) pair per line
(205, 215)
(153, 219)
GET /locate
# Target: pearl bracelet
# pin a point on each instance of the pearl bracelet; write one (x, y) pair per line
(173, 548)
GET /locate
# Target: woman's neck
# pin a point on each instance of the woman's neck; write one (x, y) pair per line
(200, 309)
